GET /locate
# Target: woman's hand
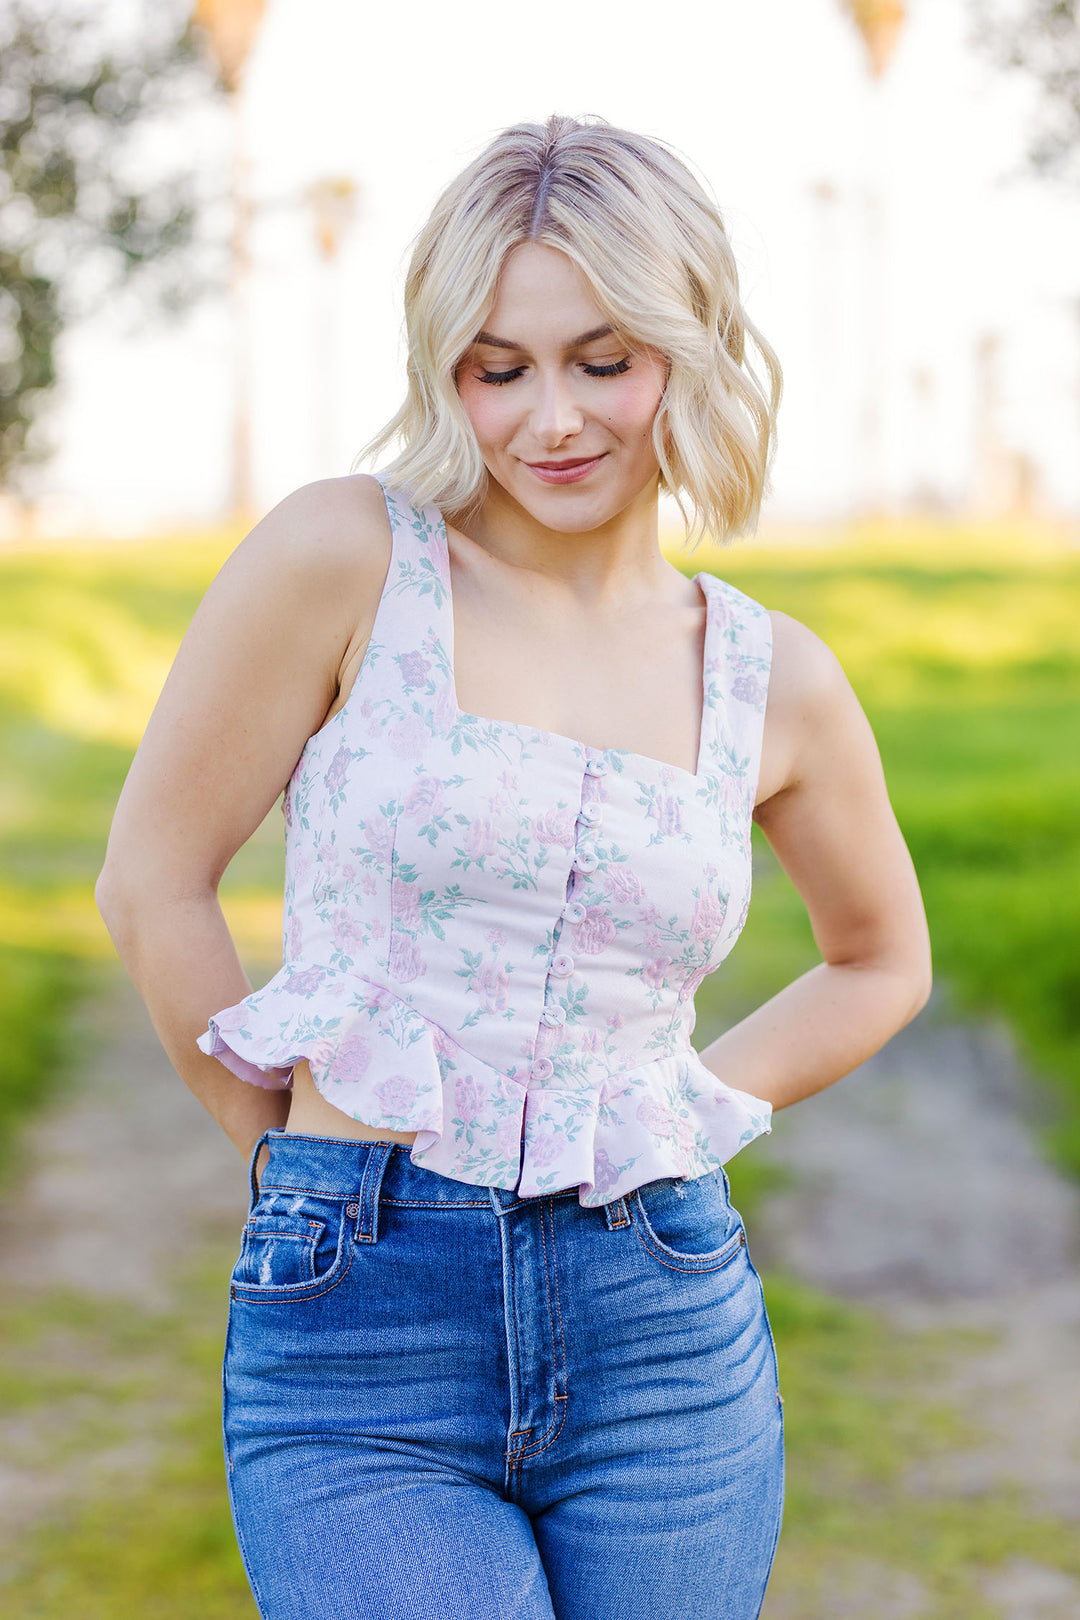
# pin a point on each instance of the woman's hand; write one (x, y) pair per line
(824, 808)
(285, 621)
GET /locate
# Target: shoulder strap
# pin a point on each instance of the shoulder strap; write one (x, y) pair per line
(737, 676)
(408, 655)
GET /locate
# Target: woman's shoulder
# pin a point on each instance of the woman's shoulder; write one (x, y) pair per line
(331, 524)
(326, 545)
(805, 670)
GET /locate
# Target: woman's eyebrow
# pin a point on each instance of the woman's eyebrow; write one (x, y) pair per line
(492, 342)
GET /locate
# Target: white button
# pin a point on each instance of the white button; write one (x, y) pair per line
(553, 1017)
(586, 860)
(562, 965)
(542, 1069)
(574, 911)
(591, 813)
(596, 767)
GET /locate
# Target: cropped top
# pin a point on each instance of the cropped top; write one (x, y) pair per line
(493, 933)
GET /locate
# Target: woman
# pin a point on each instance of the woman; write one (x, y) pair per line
(496, 1347)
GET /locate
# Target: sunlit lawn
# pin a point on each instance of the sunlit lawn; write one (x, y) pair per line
(964, 651)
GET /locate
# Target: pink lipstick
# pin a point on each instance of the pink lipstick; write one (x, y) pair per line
(568, 471)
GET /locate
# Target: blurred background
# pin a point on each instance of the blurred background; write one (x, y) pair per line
(205, 214)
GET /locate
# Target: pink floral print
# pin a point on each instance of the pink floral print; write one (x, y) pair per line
(493, 934)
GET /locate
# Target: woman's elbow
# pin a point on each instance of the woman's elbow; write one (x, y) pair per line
(919, 981)
(108, 894)
(922, 985)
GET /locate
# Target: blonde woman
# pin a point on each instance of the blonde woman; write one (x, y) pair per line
(496, 1349)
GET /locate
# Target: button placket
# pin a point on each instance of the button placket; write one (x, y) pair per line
(585, 860)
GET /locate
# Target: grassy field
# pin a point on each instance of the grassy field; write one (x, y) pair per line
(86, 639)
(962, 647)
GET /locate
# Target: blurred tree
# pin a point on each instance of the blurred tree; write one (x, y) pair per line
(1043, 38)
(230, 28)
(74, 227)
(879, 22)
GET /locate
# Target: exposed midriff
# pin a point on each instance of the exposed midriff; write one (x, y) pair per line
(311, 1115)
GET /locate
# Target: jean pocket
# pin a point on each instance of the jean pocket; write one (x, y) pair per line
(689, 1225)
(295, 1246)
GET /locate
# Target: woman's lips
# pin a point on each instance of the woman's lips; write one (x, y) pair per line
(564, 472)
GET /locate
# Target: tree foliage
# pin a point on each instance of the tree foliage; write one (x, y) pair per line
(1042, 37)
(76, 222)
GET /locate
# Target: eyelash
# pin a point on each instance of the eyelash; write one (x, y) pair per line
(616, 370)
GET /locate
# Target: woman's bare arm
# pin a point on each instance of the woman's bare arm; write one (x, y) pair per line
(824, 808)
(283, 623)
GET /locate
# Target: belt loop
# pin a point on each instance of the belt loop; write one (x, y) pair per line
(251, 1171)
(366, 1204)
(616, 1215)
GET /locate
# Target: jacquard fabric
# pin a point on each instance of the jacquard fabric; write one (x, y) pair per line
(493, 933)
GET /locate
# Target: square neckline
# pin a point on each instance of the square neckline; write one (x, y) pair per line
(521, 726)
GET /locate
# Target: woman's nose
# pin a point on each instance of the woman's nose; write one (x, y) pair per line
(556, 413)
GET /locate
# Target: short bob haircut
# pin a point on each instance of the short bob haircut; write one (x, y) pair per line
(653, 247)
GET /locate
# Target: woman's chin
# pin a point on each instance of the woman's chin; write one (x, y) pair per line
(569, 508)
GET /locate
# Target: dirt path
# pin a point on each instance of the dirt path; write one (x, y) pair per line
(120, 1185)
(915, 1185)
(122, 1172)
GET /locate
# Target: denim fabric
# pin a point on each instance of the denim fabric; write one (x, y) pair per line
(449, 1402)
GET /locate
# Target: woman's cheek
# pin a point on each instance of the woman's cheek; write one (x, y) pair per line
(634, 411)
(484, 412)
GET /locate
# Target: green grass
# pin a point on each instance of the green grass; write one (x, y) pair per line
(964, 651)
(858, 1423)
(87, 635)
(966, 658)
(134, 1542)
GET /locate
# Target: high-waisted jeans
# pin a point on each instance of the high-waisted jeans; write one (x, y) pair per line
(448, 1402)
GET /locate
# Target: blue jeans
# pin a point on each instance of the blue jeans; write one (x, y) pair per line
(447, 1402)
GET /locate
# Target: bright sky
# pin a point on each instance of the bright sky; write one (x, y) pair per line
(767, 99)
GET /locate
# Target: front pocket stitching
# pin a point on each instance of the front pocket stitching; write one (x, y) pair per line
(267, 1291)
(265, 1294)
(310, 1240)
(713, 1259)
(711, 1262)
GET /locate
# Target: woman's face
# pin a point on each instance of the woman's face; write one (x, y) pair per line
(562, 409)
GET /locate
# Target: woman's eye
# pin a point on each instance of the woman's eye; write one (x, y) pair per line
(614, 370)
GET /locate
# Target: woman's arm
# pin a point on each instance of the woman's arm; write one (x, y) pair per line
(824, 808)
(286, 619)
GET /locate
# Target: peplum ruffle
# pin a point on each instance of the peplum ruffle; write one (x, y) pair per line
(378, 1059)
(668, 1117)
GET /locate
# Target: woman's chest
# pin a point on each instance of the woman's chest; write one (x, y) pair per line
(471, 838)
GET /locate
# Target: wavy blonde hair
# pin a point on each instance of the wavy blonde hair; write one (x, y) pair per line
(652, 245)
